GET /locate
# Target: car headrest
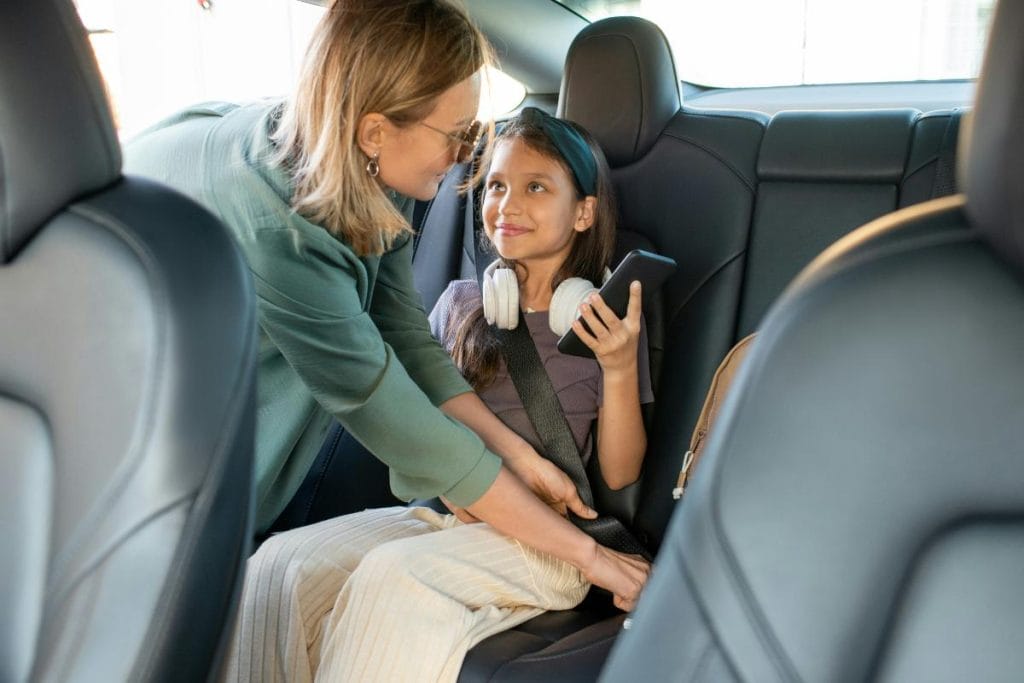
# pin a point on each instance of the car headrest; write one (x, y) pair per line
(57, 139)
(620, 84)
(992, 148)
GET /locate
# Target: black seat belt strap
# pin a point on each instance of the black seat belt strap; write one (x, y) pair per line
(545, 412)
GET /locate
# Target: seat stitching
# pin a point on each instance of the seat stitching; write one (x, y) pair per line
(683, 138)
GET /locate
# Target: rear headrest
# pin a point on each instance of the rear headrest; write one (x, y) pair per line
(832, 146)
(620, 83)
(992, 145)
(57, 139)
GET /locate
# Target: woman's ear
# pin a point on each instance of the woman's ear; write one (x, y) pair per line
(585, 214)
(370, 133)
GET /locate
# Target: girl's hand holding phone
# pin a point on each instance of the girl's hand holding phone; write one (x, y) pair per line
(613, 340)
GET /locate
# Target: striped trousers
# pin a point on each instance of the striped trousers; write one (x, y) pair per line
(393, 594)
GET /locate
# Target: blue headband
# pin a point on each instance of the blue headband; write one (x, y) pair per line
(570, 145)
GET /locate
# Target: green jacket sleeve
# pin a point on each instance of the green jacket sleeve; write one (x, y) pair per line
(397, 310)
(313, 299)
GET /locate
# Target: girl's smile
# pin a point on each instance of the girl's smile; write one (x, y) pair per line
(510, 229)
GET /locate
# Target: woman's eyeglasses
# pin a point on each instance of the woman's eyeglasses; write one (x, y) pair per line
(467, 140)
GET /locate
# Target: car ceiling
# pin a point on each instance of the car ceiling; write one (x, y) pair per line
(530, 37)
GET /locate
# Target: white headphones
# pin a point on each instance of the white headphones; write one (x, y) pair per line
(500, 289)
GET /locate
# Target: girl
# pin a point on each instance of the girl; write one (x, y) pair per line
(401, 594)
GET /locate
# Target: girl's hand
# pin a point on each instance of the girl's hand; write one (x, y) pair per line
(624, 575)
(613, 341)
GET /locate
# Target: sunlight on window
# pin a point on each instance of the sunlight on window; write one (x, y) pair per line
(742, 43)
(500, 94)
(161, 55)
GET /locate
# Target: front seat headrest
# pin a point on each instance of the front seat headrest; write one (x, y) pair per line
(51, 101)
(620, 84)
(992, 149)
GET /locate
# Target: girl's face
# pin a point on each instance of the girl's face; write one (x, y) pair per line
(530, 210)
(414, 159)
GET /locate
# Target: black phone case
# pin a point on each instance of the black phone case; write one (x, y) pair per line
(649, 268)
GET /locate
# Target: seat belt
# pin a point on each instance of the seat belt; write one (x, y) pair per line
(944, 182)
(545, 412)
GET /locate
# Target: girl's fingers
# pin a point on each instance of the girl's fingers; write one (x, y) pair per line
(597, 326)
(607, 315)
(585, 336)
(635, 304)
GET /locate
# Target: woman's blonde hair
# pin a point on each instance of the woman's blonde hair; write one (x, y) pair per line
(391, 57)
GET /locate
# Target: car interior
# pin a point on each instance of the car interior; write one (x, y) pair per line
(856, 515)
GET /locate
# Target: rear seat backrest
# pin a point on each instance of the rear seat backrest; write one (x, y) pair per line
(821, 174)
(687, 183)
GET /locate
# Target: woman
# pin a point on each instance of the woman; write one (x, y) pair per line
(315, 191)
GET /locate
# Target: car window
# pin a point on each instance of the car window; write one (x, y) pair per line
(157, 57)
(745, 43)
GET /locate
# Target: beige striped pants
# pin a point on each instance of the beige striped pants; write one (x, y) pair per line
(393, 594)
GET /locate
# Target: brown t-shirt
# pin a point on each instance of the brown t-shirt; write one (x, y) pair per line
(577, 381)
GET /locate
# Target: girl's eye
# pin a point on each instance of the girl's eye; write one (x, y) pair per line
(495, 186)
(535, 187)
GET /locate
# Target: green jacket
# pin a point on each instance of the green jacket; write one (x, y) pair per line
(340, 336)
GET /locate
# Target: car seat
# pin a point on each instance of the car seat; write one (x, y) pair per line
(858, 512)
(127, 363)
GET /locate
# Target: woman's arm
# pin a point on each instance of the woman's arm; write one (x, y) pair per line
(509, 507)
(621, 439)
(542, 476)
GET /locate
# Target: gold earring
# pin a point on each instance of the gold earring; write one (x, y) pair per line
(373, 165)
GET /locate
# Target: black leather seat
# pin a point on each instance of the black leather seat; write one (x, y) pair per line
(701, 219)
(687, 181)
(858, 514)
(127, 356)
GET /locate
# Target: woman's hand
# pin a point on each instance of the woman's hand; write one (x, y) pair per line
(613, 340)
(549, 483)
(624, 575)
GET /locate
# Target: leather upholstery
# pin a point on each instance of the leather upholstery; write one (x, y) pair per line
(638, 91)
(61, 92)
(822, 146)
(930, 138)
(693, 223)
(127, 356)
(867, 526)
(821, 174)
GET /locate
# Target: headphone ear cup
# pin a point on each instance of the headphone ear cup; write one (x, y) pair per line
(500, 291)
(565, 303)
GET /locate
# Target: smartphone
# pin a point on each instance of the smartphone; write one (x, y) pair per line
(648, 268)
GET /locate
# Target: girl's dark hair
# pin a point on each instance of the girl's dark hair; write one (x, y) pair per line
(475, 349)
